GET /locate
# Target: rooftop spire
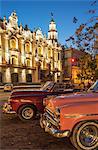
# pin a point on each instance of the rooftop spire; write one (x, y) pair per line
(52, 33)
(52, 17)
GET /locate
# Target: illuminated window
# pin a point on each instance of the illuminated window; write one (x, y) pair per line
(13, 43)
(28, 62)
(27, 47)
(49, 53)
(39, 50)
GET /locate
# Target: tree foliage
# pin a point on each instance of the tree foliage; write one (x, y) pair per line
(88, 68)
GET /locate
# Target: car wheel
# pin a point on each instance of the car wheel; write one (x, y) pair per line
(85, 136)
(27, 112)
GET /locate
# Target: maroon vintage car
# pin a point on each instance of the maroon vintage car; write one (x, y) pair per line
(27, 103)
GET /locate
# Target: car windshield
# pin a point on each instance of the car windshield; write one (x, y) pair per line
(7, 85)
(94, 86)
(47, 86)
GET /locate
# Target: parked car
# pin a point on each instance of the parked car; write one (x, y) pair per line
(74, 116)
(8, 87)
(27, 103)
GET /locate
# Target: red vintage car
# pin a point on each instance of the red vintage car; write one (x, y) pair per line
(27, 103)
(74, 116)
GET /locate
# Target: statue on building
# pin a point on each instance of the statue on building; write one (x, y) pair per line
(39, 34)
(13, 21)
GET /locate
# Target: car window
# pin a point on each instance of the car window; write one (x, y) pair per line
(58, 87)
(47, 86)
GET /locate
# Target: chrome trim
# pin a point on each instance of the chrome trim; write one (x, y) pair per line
(51, 130)
(78, 115)
(8, 109)
(51, 117)
(49, 111)
(53, 121)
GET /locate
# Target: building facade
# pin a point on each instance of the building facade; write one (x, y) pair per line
(72, 68)
(28, 56)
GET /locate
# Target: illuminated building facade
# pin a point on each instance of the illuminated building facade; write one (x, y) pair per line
(28, 56)
(72, 64)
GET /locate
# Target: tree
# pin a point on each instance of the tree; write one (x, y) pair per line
(88, 68)
(84, 37)
(96, 74)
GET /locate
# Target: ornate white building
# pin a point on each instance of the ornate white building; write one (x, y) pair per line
(27, 56)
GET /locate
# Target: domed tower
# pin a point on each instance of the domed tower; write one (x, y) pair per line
(52, 33)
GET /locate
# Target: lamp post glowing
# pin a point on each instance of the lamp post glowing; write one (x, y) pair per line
(37, 68)
(72, 60)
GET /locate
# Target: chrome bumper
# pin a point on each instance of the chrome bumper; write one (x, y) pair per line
(8, 109)
(51, 130)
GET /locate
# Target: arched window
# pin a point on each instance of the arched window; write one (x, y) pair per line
(13, 43)
(27, 47)
(39, 50)
(49, 52)
(28, 62)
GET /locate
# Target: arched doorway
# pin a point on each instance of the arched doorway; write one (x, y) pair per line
(29, 77)
(14, 77)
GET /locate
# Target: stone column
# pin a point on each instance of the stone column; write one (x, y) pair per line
(7, 76)
(34, 76)
(22, 52)
(23, 76)
(0, 56)
(16, 43)
(6, 49)
(55, 77)
(0, 40)
(37, 72)
(30, 47)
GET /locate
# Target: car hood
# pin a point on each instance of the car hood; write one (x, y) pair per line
(26, 93)
(73, 98)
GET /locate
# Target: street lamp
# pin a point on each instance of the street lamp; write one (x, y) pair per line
(37, 68)
(48, 69)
